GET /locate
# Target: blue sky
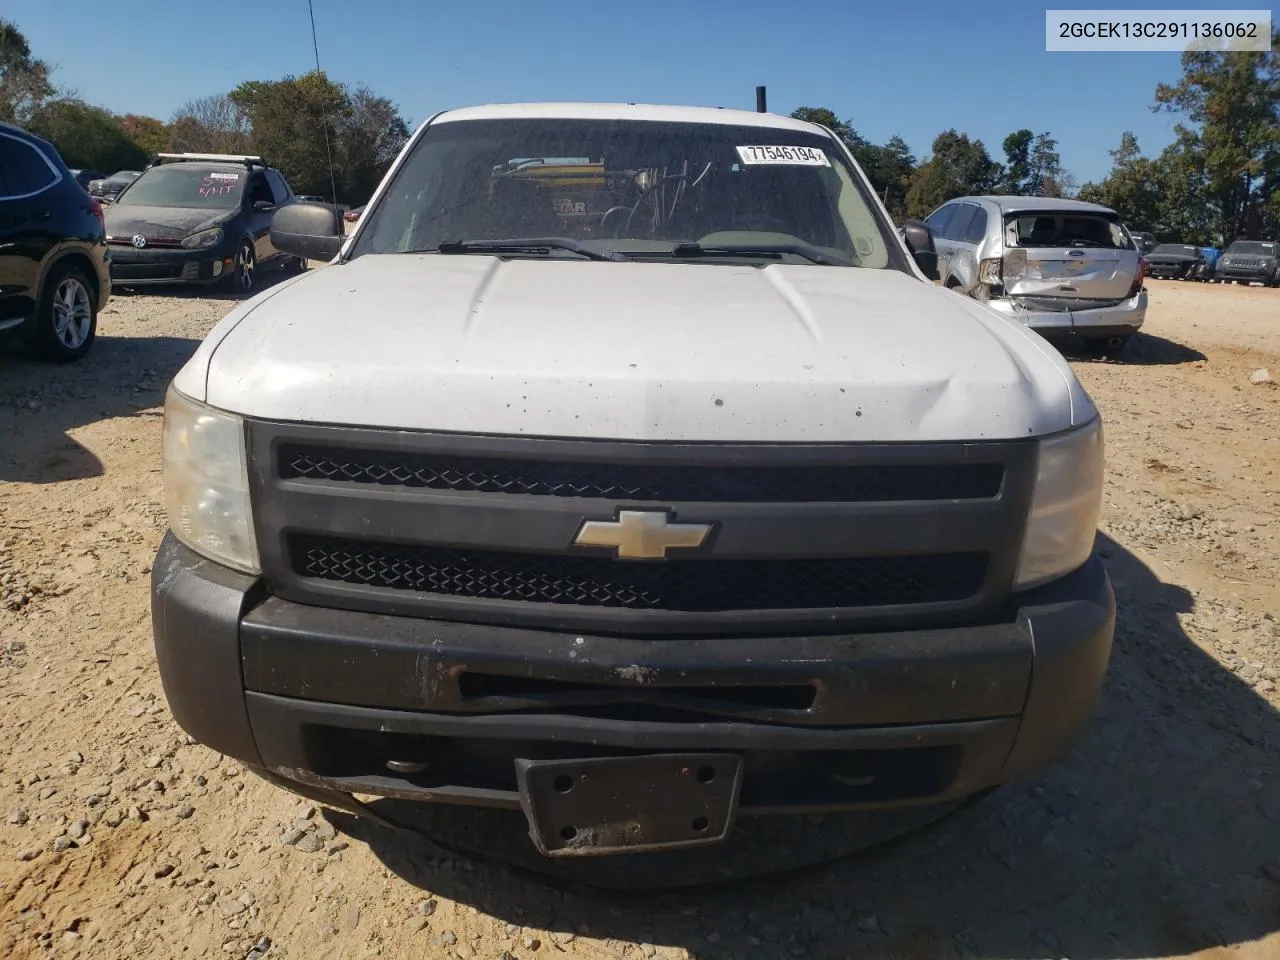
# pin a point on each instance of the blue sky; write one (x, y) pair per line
(910, 68)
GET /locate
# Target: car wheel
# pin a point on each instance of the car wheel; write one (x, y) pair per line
(66, 320)
(244, 271)
(295, 265)
(1108, 347)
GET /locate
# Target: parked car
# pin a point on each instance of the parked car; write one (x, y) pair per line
(1176, 261)
(1062, 267)
(1250, 261)
(354, 214)
(1146, 242)
(85, 177)
(110, 187)
(625, 511)
(53, 250)
(198, 218)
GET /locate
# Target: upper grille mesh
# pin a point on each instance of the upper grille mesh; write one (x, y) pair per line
(645, 481)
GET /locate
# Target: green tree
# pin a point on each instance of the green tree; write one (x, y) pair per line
(1165, 195)
(24, 81)
(370, 135)
(958, 167)
(1131, 188)
(295, 124)
(1017, 162)
(1033, 166)
(1186, 208)
(825, 118)
(1232, 101)
(86, 136)
(1047, 177)
(151, 135)
(888, 167)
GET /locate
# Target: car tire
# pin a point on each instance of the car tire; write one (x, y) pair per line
(1109, 348)
(66, 318)
(295, 265)
(244, 269)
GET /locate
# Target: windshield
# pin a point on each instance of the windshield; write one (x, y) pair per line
(1177, 248)
(181, 185)
(1255, 247)
(632, 186)
(1049, 229)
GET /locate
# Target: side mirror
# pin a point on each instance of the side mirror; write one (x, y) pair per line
(919, 240)
(262, 206)
(308, 230)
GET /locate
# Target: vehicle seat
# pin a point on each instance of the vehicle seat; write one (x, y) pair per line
(1045, 230)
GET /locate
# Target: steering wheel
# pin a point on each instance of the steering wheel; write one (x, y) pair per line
(616, 213)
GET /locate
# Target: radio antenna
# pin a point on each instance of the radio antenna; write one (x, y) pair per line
(328, 151)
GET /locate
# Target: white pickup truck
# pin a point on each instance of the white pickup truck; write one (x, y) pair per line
(624, 468)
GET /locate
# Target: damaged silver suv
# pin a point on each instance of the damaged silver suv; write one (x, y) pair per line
(1061, 267)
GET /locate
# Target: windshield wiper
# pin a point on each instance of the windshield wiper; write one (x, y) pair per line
(774, 251)
(529, 245)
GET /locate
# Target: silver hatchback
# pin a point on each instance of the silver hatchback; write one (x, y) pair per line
(1061, 267)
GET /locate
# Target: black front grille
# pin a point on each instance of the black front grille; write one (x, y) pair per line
(690, 586)
(646, 481)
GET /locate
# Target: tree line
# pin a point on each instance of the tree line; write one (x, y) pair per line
(1218, 181)
(299, 124)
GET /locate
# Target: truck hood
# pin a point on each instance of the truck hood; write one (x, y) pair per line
(155, 223)
(641, 351)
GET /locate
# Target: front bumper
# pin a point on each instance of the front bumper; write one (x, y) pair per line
(1126, 316)
(134, 267)
(1172, 271)
(1248, 274)
(321, 699)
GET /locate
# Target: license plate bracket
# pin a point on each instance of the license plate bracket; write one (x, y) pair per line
(609, 805)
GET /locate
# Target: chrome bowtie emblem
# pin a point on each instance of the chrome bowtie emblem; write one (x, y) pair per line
(139, 240)
(641, 535)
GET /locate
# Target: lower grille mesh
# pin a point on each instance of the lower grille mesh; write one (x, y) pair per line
(689, 586)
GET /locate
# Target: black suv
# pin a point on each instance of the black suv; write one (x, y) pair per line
(198, 218)
(53, 250)
(1248, 261)
(1146, 241)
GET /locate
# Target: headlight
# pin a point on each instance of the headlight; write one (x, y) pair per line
(1064, 507)
(206, 482)
(989, 272)
(203, 239)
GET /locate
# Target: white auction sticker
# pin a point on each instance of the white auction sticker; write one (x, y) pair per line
(224, 176)
(792, 156)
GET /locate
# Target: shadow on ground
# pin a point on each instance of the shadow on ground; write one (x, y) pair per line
(40, 403)
(1145, 349)
(1160, 835)
(121, 376)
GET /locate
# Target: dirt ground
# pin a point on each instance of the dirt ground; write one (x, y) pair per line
(1158, 837)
